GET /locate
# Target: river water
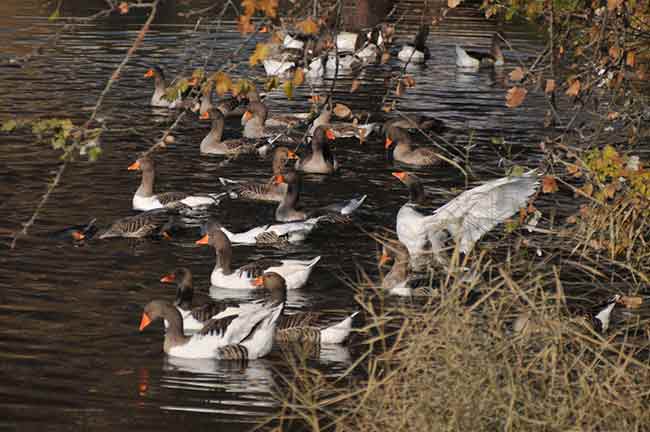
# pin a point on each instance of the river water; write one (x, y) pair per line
(71, 356)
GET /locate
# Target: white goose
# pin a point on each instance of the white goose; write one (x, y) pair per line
(295, 272)
(247, 335)
(293, 232)
(467, 217)
(417, 52)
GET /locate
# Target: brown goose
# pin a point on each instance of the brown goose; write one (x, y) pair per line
(320, 160)
(212, 143)
(160, 89)
(268, 191)
(299, 327)
(404, 153)
(255, 124)
(247, 335)
(145, 224)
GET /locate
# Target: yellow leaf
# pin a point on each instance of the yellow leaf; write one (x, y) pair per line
(261, 52)
(242, 86)
(298, 77)
(550, 86)
(517, 74)
(549, 185)
(222, 83)
(515, 97)
(453, 3)
(630, 59)
(269, 7)
(249, 7)
(308, 26)
(272, 83)
(587, 190)
(244, 24)
(288, 89)
(574, 88)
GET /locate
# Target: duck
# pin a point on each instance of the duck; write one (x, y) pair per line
(400, 141)
(299, 327)
(245, 336)
(158, 98)
(417, 52)
(296, 272)
(268, 191)
(287, 211)
(146, 224)
(76, 233)
(195, 312)
(475, 59)
(145, 199)
(212, 143)
(467, 217)
(320, 160)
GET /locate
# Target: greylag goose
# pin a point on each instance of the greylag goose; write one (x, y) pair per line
(467, 217)
(145, 224)
(298, 327)
(287, 211)
(295, 272)
(160, 89)
(145, 199)
(212, 143)
(416, 52)
(474, 59)
(247, 335)
(320, 160)
(401, 143)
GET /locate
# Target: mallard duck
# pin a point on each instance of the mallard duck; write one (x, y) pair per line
(474, 59)
(299, 327)
(145, 199)
(417, 52)
(212, 143)
(321, 160)
(248, 335)
(467, 217)
(295, 272)
(401, 143)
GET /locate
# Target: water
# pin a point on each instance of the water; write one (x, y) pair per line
(71, 356)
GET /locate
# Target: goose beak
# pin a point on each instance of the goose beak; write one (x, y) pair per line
(203, 240)
(205, 116)
(399, 175)
(247, 116)
(329, 133)
(145, 321)
(383, 260)
(78, 236)
(264, 29)
(168, 278)
(278, 179)
(149, 73)
(134, 166)
(388, 143)
(292, 155)
(258, 281)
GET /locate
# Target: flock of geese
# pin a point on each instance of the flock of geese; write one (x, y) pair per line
(203, 327)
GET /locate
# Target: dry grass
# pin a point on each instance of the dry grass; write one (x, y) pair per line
(509, 350)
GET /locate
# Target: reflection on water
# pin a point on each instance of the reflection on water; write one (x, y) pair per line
(70, 352)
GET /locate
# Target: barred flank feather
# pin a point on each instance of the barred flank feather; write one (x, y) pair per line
(310, 335)
(233, 352)
(301, 319)
(272, 238)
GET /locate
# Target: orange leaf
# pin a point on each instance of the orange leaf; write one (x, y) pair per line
(222, 82)
(517, 74)
(385, 57)
(269, 7)
(574, 88)
(409, 81)
(549, 185)
(249, 7)
(630, 59)
(308, 26)
(123, 8)
(631, 302)
(610, 190)
(244, 25)
(515, 97)
(261, 52)
(298, 77)
(613, 115)
(550, 86)
(355, 85)
(613, 4)
(614, 52)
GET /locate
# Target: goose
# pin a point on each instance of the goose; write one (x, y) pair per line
(296, 272)
(244, 336)
(342, 129)
(254, 122)
(467, 217)
(274, 234)
(474, 59)
(287, 211)
(195, 312)
(400, 141)
(396, 280)
(268, 191)
(348, 63)
(145, 199)
(417, 52)
(76, 233)
(320, 160)
(212, 143)
(349, 42)
(299, 327)
(424, 123)
(145, 224)
(160, 89)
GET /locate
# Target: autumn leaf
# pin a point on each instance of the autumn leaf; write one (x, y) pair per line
(408, 81)
(269, 7)
(550, 86)
(517, 74)
(271, 83)
(453, 3)
(549, 184)
(614, 52)
(244, 25)
(613, 115)
(298, 77)
(610, 190)
(587, 190)
(288, 88)
(342, 111)
(261, 52)
(242, 86)
(573, 170)
(574, 88)
(630, 59)
(308, 26)
(123, 8)
(385, 57)
(249, 7)
(355, 85)
(222, 83)
(515, 97)
(631, 302)
(613, 4)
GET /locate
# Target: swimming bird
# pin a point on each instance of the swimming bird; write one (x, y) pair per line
(146, 224)
(401, 142)
(467, 217)
(76, 233)
(321, 160)
(160, 89)
(275, 234)
(212, 143)
(416, 52)
(248, 335)
(396, 280)
(474, 59)
(145, 198)
(295, 272)
(299, 327)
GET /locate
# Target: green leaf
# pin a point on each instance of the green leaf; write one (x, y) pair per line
(93, 153)
(9, 126)
(55, 15)
(288, 88)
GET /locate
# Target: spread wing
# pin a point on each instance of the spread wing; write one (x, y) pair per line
(300, 319)
(206, 311)
(257, 268)
(475, 212)
(217, 327)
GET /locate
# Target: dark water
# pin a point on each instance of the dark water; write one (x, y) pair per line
(71, 356)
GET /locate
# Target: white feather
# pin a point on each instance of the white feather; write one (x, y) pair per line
(464, 60)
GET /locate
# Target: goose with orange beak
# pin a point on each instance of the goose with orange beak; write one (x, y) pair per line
(400, 142)
(466, 218)
(248, 335)
(213, 143)
(160, 89)
(295, 272)
(321, 160)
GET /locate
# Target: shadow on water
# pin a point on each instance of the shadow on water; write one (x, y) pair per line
(70, 352)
